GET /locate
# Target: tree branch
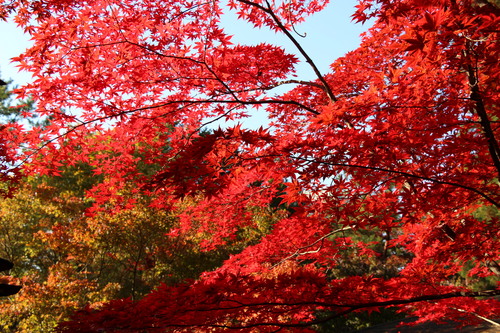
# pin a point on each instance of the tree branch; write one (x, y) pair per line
(298, 253)
(325, 86)
(485, 122)
(406, 174)
(350, 308)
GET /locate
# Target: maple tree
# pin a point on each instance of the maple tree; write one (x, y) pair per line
(385, 171)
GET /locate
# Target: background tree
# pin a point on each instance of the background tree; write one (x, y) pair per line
(66, 258)
(12, 110)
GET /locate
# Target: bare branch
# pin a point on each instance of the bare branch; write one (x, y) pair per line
(299, 253)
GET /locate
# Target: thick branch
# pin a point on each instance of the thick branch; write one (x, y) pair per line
(485, 122)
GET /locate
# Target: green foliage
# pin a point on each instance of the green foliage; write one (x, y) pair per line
(12, 109)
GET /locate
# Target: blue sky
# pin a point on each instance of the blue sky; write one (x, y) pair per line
(13, 42)
(329, 35)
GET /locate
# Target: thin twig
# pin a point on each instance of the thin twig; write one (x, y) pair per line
(298, 253)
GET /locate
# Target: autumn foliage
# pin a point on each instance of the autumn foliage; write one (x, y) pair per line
(379, 180)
